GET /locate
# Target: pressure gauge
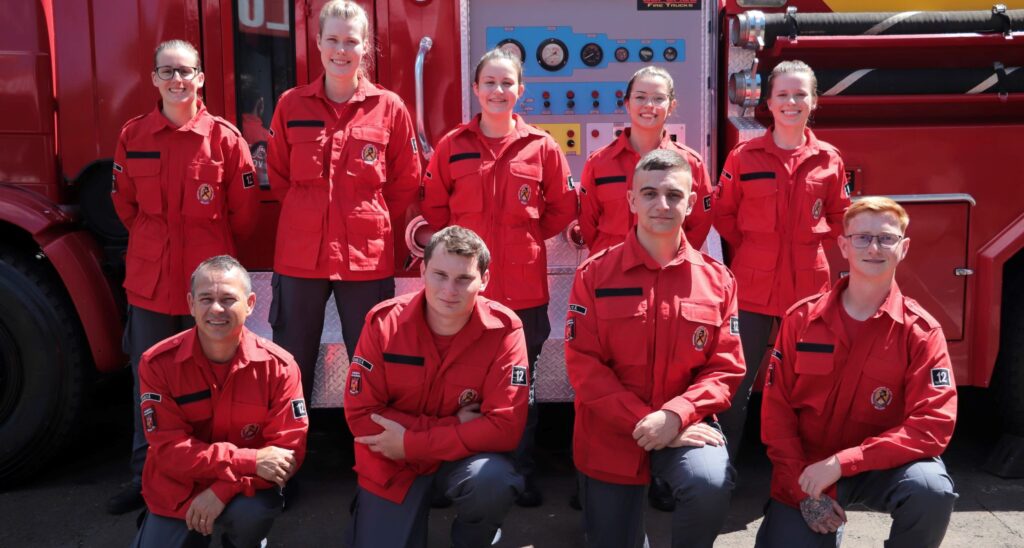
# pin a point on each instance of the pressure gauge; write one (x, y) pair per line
(670, 54)
(591, 55)
(514, 47)
(646, 54)
(552, 54)
(621, 54)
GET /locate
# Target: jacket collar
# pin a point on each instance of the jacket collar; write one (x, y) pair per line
(416, 312)
(200, 124)
(248, 348)
(317, 88)
(634, 254)
(828, 308)
(766, 142)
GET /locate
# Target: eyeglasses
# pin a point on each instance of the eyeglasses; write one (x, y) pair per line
(167, 72)
(885, 240)
(656, 100)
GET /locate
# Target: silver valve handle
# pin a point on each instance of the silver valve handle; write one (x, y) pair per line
(421, 127)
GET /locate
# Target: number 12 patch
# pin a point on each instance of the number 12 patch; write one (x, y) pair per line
(941, 377)
(519, 375)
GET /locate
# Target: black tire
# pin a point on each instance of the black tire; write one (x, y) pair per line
(1008, 378)
(43, 358)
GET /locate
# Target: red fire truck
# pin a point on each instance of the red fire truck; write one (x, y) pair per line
(927, 106)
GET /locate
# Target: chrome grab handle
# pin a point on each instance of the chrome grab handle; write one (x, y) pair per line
(421, 132)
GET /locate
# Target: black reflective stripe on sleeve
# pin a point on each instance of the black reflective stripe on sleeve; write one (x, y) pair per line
(193, 397)
(815, 347)
(305, 123)
(757, 175)
(403, 359)
(619, 292)
(606, 180)
(142, 154)
(463, 156)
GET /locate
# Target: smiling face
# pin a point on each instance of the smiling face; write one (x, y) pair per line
(220, 304)
(792, 99)
(498, 87)
(661, 200)
(342, 45)
(177, 91)
(451, 283)
(650, 102)
(874, 261)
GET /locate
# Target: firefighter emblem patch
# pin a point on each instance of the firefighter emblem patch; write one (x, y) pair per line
(369, 154)
(149, 419)
(250, 430)
(881, 398)
(205, 194)
(816, 209)
(769, 376)
(467, 397)
(524, 194)
(355, 383)
(570, 329)
(700, 337)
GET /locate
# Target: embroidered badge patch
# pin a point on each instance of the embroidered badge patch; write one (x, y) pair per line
(413, 142)
(355, 383)
(369, 154)
(118, 168)
(881, 398)
(363, 362)
(298, 408)
(726, 175)
(524, 194)
(581, 310)
(816, 209)
(734, 325)
(941, 377)
(205, 194)
(467, 397)
(571, 183)
(570, 329)
(519, 375)
(769, 376)
(149, 419)
(248, 179)
(249, 431)
(113, 184)
(150, 396)
(700, 337)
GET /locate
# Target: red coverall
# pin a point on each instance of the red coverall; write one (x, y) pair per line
(887, 401)
(514, 202)
(203, 434)
(604, 212)
(640, 337)
(346, 175)
(185, 194)
(776, 217)
(396, 373)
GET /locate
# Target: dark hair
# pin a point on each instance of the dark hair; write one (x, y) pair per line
(652, 70)
(459, 241)
(178, 44)
(498, 54)
(221, 263)
(664, 160)
(793, 67)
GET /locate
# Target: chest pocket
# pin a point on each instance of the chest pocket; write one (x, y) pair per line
(880, 399)
(144, 169)
(757, 209)
(197, 407)
(247, 422)
(204, 191)
(622, 326)
(611, 194)
(467, 184)
(813, 209)
(306, 160)
(697, 328)
(523, 199)
(405, 377)
(813, 366)
(366, 148)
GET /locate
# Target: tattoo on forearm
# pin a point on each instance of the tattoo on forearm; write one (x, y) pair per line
(817, 511)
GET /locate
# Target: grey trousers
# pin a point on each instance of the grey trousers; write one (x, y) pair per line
(536, 329)
(482, 486)
(244, 523)
(919, 496)
(755, 329)
(144, 329)
(297, 316)
(702, 481)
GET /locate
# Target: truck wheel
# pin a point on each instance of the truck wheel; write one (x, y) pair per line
(42, 366)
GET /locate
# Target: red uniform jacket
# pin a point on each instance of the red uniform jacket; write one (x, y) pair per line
(640, 337)
(346, 174)
(776, 220)
(396, 373)
(185, 194)
(513, 202)
(885, 401)
(604, 212)
(203, 434)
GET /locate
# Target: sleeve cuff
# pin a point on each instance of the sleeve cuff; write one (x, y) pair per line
(226, 490)
(684, 409)
(245, 462)
(415, 445)
(851, 461)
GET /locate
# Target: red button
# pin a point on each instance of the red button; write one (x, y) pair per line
(595, 133)
(595, 94)
(570, 133)
(545, 95)
(570, 94)
(618, 93)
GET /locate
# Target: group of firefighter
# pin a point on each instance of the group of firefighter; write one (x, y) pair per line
(859, 399)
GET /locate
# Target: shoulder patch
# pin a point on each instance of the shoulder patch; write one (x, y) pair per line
(519, 375)
(579, 309)
(248, 179)
(707, 203)
(298, 408)
(363, 362)
(734, 325)
(942, 377)
(150, 396)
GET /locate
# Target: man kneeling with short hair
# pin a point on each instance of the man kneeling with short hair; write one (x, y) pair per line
(859, 400)
(224, 417)
(436, 391)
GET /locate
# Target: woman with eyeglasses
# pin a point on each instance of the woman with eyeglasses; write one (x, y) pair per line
(183, 185)
(604, 214)
(781, 196)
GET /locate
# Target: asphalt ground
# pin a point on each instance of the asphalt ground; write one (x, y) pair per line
(64, 506)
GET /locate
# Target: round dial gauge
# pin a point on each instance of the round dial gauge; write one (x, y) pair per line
(591, 55)
(670, 54)
(621, 55)
(514, 47)
(552, 54)
(646, 54)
